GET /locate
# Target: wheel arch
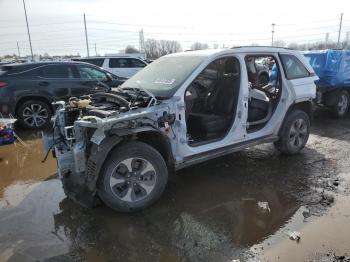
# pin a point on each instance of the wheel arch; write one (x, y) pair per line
(161, 143)
(305, 106)
(99, 153)
(24, 99)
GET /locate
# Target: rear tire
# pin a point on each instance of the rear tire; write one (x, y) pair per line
(133, 177)
(342, 104)
(294, 133)
(34, 114)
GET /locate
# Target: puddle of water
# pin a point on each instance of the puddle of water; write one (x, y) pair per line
(202, 215)
(27, 232)
(327, 233)
(22, 162)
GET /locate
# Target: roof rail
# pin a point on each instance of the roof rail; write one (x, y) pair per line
(245, 46)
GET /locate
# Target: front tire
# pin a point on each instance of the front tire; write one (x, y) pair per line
(294, 133)
(34, 114)
(342, 104)
(133, 177)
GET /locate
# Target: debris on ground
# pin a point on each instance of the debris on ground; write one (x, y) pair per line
(294, 235)
(306, 213)
(7, 135)
(330, 257)
(264, 206)
(327, 198)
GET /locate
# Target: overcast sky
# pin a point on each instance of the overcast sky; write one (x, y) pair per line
(57, 25)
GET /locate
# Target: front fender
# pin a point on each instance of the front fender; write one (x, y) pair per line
(97, 157)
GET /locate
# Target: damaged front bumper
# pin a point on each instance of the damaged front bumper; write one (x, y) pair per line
(81, 149)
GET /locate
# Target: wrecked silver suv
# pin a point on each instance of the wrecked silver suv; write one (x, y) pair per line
(182, 109)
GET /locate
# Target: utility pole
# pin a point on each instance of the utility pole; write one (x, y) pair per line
(272, 32)
(340, 24)
(95, 50)
(141, 41)
(19, 53)
(30, 41)
(86, 38)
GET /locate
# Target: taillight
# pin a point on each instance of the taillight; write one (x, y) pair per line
(2, 84)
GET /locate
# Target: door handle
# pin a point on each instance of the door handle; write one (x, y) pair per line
(44, 83)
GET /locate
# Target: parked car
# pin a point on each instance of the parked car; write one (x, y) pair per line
(27, 90)
(181, 110)
(333, 87)
(122, 66)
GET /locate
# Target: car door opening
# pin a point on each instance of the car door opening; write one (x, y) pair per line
(211, 101)
(264, 89)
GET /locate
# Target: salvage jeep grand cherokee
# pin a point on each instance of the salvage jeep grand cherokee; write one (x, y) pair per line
(182, 109)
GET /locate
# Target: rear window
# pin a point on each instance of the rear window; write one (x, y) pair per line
(125, 63)
(136, 63)
(293, 67)
(56, 71)
(16, 69)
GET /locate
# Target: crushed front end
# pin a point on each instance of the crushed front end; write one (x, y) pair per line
(85, 130)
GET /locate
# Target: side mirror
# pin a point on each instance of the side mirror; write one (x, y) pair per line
(109, 77)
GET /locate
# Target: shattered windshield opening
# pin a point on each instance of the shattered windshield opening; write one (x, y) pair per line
(165, 75)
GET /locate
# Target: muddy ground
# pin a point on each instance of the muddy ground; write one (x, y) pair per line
(238, 207)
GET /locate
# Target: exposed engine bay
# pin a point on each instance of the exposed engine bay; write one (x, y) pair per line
(104, 105)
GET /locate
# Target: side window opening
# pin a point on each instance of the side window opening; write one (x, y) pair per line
(94, 61)
(265, 89)
(293, 67)
(211, 101)
(56, 71)
(118, 63)
(87, 72)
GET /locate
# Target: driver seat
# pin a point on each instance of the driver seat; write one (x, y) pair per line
(220, 104)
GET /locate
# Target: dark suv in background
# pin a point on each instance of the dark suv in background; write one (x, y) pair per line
(27, 90)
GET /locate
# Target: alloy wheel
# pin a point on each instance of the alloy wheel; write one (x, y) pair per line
(133, 179)
(35, 115)
(343, 104)
(298, 133)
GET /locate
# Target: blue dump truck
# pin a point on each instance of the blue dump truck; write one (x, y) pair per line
(333, 87)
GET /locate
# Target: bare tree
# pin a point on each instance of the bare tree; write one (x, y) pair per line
(199, 46)
(152, 48)
(293, 46)
(279, 43)
(131, 49)
(156, 48)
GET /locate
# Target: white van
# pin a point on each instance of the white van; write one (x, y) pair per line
(121, 66)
